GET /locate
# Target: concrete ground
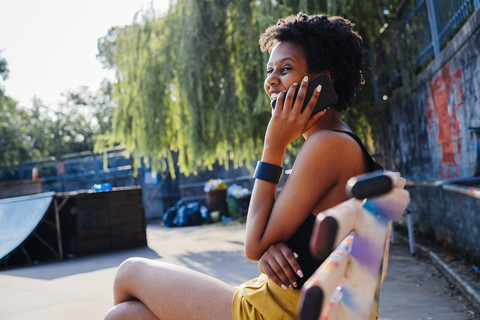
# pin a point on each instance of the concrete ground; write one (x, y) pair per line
(81, 288)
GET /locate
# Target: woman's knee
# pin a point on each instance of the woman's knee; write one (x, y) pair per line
(129, 310)
(130, 267)
(118, 312)
(125, 278)
(113, 314)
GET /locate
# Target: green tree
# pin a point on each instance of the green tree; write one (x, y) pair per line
(14, 143)
(3, 68)
(42, 131)
(81, 117)
(97, 107)
(191, 82)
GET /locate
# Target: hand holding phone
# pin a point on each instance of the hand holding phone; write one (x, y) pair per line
(328, 97)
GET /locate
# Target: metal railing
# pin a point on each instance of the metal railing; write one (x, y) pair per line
(458, 185)
(70, 166)
(434, 24)
(450, 16)
(77, 170)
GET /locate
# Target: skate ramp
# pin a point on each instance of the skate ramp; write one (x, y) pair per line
(19, 217)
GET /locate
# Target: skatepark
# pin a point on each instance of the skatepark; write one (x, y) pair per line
(81, 288)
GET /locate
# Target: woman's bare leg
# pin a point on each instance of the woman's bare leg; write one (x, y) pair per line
(158, 290)
(133, 309)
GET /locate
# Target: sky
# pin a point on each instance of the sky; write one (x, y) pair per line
(51, 45)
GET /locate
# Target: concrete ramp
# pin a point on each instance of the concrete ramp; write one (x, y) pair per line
(19, 217)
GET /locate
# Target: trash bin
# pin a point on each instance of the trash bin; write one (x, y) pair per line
(233, 208)
(216, 201)
(216, 194)
(238, 199)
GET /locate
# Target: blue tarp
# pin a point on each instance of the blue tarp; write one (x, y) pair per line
(186, 214)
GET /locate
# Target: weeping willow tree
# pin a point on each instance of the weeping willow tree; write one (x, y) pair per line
(190, 83)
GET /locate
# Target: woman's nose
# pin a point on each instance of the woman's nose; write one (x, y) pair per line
(271, 79)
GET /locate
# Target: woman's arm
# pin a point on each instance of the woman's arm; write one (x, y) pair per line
(315, 179)
(286, 124)
(325, 159)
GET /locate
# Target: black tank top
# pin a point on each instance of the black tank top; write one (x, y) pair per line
(300, 240)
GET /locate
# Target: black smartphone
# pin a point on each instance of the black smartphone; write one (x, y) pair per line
(328, 97)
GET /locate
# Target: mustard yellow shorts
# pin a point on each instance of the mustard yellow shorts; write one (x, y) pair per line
(261, 298)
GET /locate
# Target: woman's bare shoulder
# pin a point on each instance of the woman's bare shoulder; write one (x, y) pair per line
(337, 151)
(335, 142)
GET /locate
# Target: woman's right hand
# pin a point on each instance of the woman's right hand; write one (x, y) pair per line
(288, 121)
(280, 264)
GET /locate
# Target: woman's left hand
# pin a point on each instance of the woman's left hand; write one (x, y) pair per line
(279, 263)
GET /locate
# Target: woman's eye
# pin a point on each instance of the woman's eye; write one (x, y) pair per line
(282, 70)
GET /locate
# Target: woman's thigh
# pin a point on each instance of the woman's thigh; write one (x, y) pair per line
(173, 292)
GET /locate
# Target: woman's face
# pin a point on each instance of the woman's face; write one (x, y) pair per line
(287, 65)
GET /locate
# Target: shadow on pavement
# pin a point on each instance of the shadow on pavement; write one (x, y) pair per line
(65, 268)
(229, 266)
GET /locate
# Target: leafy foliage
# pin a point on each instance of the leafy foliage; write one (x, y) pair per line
(3, 68)
(41, 131)
(13, 144)
(191, 82)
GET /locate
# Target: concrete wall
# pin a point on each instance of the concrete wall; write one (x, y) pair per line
(450, 219)
(425, 135)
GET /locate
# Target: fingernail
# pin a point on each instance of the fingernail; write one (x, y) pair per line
(295, 255)
(295, 284)
(319, 88)
(305, 79)
(300, 273)
(284, 286)
(290, 287)
(295, 83)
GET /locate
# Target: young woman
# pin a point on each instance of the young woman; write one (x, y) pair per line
(278, 226)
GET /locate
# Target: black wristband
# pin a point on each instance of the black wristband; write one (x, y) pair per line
(268, 172)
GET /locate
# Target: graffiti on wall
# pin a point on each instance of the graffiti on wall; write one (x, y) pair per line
(445, 101)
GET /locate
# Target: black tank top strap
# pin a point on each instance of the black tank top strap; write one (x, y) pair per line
(372, 165)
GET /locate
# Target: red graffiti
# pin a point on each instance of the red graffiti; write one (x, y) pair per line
(441, 109)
